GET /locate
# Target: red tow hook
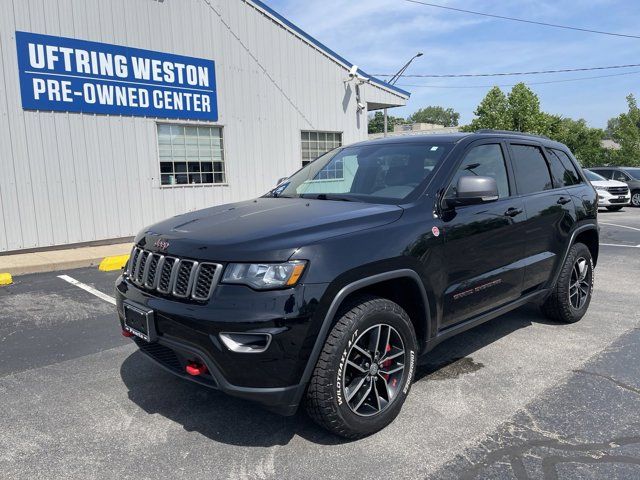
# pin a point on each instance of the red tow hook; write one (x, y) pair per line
(195, 369)
(126, 333)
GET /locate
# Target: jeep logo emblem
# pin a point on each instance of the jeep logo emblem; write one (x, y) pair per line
(161, 244)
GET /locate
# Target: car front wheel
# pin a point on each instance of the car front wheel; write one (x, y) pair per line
(365, 370)
(635, 198)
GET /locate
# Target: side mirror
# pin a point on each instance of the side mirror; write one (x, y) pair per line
(473, 190)
(280, 180)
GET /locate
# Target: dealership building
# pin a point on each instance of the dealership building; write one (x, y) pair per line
(115, 114)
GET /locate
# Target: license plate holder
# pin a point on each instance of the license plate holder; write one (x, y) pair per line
(139, 320)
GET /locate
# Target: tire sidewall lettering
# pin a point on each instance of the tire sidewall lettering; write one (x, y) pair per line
(341, 364)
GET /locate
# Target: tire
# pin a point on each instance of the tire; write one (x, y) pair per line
(614, 209)
(568, 303)
(335, 378)
(635, 198)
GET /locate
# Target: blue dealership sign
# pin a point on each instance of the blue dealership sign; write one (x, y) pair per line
(65, 74)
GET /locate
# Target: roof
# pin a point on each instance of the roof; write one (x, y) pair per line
(426, 138)
(326, 50)
(456, 137)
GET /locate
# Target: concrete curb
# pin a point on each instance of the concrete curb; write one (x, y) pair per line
(54, 260)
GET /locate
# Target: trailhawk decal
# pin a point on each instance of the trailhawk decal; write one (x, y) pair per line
(343, 360)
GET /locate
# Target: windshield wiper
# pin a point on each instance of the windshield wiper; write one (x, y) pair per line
(324, 196)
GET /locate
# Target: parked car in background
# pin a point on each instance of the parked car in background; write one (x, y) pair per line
(628, 175)
(612, 195)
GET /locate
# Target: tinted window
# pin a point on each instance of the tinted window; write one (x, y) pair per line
(620, 176)
(634, 172)
(484, 161)
(562, 168)
(530, 168)
(605, 173)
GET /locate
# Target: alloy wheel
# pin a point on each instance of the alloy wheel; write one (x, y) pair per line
(635, 200)
(579, 285)
(374, 369)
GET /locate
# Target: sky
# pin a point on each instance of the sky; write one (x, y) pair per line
(381, 35)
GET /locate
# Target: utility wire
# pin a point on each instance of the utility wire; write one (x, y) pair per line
(502, 74)
(526, 83)
(522, 20)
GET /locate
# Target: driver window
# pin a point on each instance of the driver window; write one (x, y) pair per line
(483, 161)
(621, 177)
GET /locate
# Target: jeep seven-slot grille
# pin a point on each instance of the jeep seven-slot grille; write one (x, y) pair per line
(173, 276)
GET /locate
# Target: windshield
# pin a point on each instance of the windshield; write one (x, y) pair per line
(593, 177)
(634, 172)
(385, 173)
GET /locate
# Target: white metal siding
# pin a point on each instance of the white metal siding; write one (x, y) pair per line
(68, 177)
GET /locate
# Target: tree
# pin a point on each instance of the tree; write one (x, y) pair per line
(447, 117)
(583, 141)
(524, 111)
(612, 125)
(491, 113)
(376, 123)
(626, 131)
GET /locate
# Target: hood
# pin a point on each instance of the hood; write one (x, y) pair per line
(265, 229)
(608, 183)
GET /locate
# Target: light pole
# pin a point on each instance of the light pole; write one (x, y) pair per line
(394, 79)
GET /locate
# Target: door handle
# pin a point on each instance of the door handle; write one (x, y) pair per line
(512, 212)
(563, 200)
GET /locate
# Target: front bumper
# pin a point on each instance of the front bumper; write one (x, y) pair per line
(189, 331)
(605, 199)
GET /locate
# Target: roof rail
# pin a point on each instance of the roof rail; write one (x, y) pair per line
(510, 132)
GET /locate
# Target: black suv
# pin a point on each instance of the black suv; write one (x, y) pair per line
(329, 289)
(628, 175)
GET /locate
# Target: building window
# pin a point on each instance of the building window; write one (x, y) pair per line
(190, 155)
(315, 144)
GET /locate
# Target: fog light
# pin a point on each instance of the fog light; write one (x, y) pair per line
(246, 342)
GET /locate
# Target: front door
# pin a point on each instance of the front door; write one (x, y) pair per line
(483, 244)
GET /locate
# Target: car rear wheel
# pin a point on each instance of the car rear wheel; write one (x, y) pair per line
(570, 298)
(365, 370)
(635, 198)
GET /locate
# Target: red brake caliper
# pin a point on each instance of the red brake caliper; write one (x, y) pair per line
(386, 363)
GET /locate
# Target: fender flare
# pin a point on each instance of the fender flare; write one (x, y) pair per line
(574, 234)
(327, 322)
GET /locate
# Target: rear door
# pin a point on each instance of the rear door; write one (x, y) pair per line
(550, 212)
(483, 244)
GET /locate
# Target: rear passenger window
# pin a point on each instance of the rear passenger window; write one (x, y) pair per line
(570, 175)
(562, 176)
(530, 169)
(484, 161)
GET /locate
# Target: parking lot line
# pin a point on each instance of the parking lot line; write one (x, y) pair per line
(620, 226)
(618, 245)
(89, 289)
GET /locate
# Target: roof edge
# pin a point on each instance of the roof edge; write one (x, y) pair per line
(276, 16)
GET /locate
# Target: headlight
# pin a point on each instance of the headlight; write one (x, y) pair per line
(264, 275)
(604, 189)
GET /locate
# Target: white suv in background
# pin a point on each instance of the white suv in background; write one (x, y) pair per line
(612, 194)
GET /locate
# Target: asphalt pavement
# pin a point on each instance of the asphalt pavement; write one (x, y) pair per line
(518, 397)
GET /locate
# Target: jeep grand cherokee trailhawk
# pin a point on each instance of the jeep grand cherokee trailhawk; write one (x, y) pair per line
(327, 290)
